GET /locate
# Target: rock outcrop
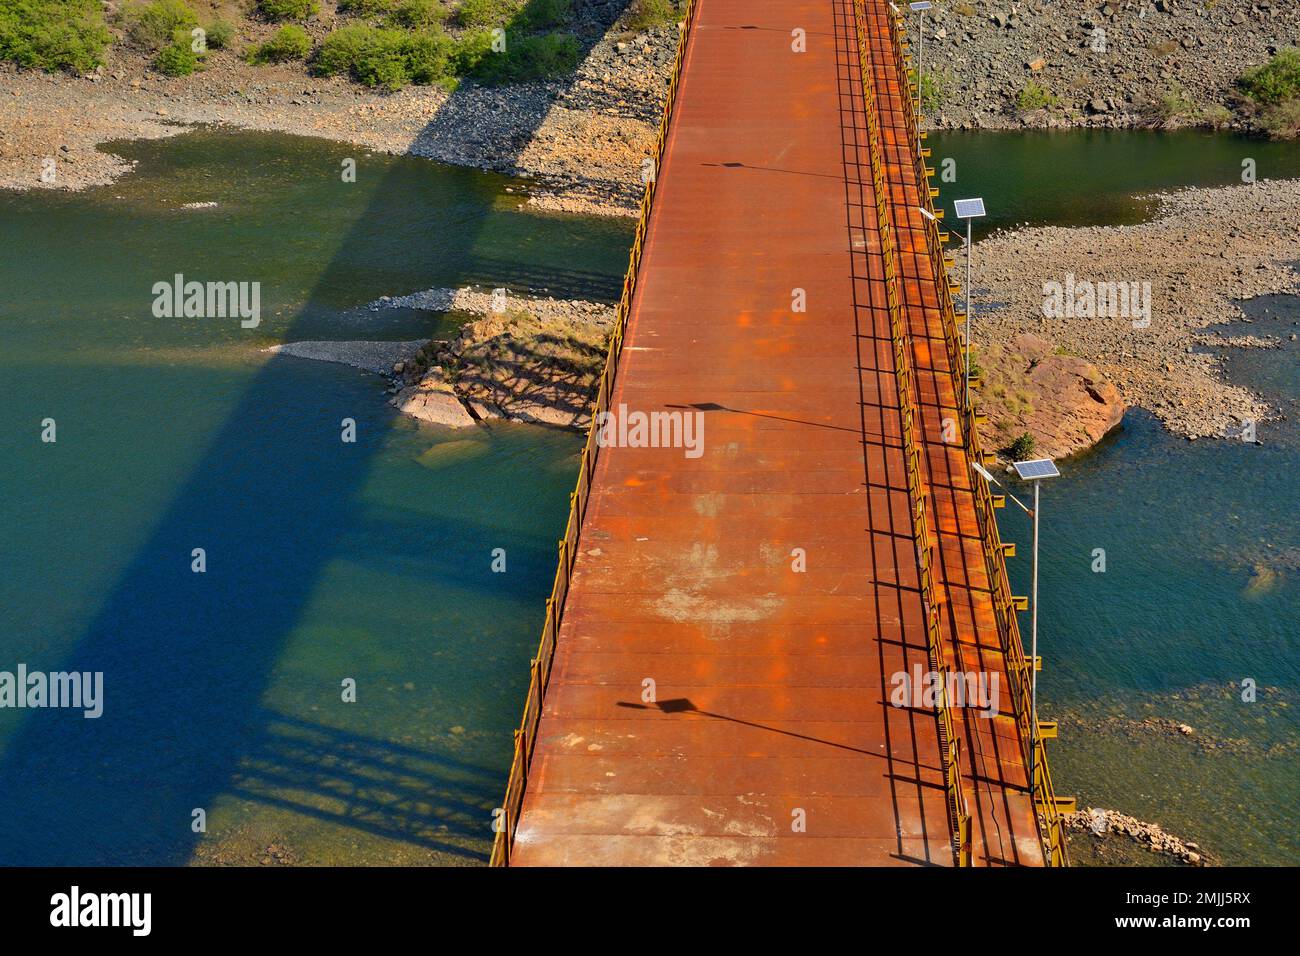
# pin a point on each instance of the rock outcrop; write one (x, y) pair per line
(1063, 401)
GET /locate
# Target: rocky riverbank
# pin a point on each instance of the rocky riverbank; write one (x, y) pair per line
(1205, 250)
(522, 359)
(1103, 825)
(1105, 63)
(582, 137)
(579, 138)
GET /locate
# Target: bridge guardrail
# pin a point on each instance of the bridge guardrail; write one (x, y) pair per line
(1051, 825)
(949, 743)
(507, 822)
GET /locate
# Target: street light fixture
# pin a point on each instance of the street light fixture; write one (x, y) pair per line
(968, 209)
(1035, 470)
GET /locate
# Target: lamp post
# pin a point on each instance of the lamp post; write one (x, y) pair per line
(1035, 470)
(969, 210)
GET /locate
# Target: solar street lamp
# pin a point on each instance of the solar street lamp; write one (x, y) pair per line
(969, 210)
(1035, 470)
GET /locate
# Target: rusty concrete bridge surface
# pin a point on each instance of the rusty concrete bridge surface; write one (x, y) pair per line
(717, 679)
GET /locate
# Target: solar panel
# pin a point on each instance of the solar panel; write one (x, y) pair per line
(1038, 468)
(968, 208)
(923, 5)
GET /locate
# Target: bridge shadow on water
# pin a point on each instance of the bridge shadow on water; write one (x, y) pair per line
(192, 655)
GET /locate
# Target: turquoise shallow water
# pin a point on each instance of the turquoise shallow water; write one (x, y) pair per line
(1200, 596)
(325, 560)
(371, 561)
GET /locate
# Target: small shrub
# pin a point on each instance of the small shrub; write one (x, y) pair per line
(1282, 121)
(48, 36)
(1216, 116)
(1174, 108)
(155, 25)
(933, 86)
(546, 14)
(1020, 449)
(644, 14)
(415, 14)
(530, 58)
(1034, 96)
(342, 49)
(220, 35)
(290, 42)
(484, 13)
(367, 8)
(179, 59)
(380, 56)
(1276, 81)
(470, 52)
(428, 56)
(962, 8)
(288, 9)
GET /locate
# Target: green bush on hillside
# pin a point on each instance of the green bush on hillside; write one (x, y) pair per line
(428, 56)
(545, 14)
(414, 14)
(1276, 81)
(178, 59)
(220, 35)
(367, 8)
(1034, 96)
(934, 84)
(530, 58)
(156, 24)
(381, 56)
(645, 14)
(1021, 449)
(340, 50)
(471, 50)
(1283, 120)
(485, 13)
(290, 42)
(53, 34)
(288, 9)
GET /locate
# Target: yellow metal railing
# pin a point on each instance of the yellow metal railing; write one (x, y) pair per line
(507, 819)
(958, 812)
(1051, 824)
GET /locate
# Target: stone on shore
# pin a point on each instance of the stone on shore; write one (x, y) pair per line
(433, 400)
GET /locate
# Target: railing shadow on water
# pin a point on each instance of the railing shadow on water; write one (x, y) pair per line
(187, 713)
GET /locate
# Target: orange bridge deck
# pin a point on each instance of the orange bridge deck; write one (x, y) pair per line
(718, 686)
